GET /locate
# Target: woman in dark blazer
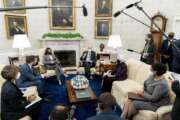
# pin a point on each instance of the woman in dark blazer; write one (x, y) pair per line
(51, 62)
(175, 114)
(12, 101)
(155, 93)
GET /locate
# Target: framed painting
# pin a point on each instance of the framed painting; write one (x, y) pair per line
(15, 25)
(62, 18)
(103, 8)
(15, 3)
(103, 28)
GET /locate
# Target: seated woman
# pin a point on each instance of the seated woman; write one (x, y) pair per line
(52, 63)
(155, 93)
(12, 101)
(119, 73)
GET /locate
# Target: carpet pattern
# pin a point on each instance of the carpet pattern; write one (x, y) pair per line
(58, 95)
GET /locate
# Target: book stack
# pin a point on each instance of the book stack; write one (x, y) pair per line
(82, 94)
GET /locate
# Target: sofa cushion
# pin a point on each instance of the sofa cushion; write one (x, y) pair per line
(145, 115)
(133, 67)
(142, 73)
(120, 89)
(163, 110)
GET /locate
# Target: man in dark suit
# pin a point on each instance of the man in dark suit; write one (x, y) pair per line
(166, 50)
(149, 50)
(106, 108)
(28, 77)
(88, 60)
(118, 73)
(176, 56)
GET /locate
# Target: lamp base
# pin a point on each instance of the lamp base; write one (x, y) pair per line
(21, 56)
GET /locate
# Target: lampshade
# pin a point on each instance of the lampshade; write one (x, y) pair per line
(114, 41)
(21, 41)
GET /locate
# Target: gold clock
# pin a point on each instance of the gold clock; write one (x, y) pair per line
(160, 21)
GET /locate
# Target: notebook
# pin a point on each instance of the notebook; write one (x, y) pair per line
(134, 96)
(33, 102)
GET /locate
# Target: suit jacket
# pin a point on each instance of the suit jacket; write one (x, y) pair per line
(27, 77)
(106, 116)
(176, 107)
(12, 102)
(120, 71)
(176, 57)
(151, 50)
(92, 57)
(156, 91)
(165, 49)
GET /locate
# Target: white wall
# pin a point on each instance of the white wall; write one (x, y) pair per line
(132, 33)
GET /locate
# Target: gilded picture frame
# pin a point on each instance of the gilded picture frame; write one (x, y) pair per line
(62, 18)
(103, 28)
(15, 3)
(15, 24)
(103, 8)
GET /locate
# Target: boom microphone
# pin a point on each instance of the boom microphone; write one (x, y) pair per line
(85, 13)
(127, 7)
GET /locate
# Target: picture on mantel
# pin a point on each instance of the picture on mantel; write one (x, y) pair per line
(62, 18)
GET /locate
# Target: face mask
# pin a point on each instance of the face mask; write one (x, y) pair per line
(18, 75)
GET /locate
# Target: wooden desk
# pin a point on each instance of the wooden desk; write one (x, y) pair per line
(72, 97)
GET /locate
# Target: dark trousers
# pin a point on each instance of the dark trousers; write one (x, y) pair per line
(167, 61)
(107, 83)
(87, 69)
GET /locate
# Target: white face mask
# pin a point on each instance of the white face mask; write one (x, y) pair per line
(18, 75)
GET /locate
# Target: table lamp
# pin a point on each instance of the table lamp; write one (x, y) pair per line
(114, 44)
(21, 41)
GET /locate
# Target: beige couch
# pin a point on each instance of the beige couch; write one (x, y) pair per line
(137, 73)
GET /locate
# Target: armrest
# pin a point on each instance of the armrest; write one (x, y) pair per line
(163, 110)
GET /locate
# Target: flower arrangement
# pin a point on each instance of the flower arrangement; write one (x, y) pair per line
(67, 36)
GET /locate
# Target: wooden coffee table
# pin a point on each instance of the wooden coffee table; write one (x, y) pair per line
(72, 97)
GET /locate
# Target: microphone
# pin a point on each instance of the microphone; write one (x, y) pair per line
(85, 13)
(117, 13)
(131, 5)
(127, 7)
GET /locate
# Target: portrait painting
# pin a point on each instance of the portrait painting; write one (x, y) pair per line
(103, 28)
(15, 25)
(103, 8)
(15, 3)
(62, 18)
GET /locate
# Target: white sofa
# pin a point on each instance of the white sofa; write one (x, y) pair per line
(138, 72)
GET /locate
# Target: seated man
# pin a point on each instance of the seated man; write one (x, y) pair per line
(106, 108)
(27, 76)
(59, 112)
(88, 59)
(119, 73)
